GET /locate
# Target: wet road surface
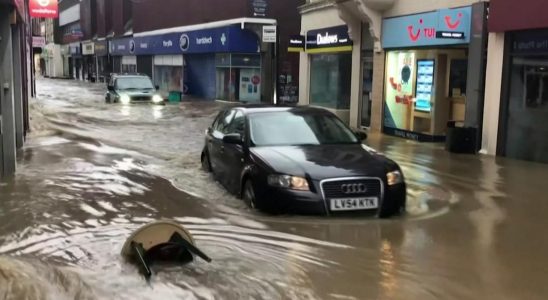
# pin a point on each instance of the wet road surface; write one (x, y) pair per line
(92, 173)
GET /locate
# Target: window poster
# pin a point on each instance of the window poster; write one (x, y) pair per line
(425, 85)
(400, 78)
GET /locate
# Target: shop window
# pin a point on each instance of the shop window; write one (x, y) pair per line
(330, 80)
(399, 86)
(168, 73)
(458, 77)
(168, 78)
(527, 128)
(129, 68)
(238, 77)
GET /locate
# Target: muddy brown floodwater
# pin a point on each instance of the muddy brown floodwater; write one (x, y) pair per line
(91, 174)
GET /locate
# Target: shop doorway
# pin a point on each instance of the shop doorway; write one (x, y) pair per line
(525, 128)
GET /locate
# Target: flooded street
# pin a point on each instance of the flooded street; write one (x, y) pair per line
(91, 173)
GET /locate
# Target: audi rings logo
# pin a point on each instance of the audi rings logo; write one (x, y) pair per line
(43, 3)
(184, 42)
(354, 188)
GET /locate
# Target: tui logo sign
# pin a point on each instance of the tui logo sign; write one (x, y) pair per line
(425, 32)
(453, 25)
(441, 27)
(44, 9)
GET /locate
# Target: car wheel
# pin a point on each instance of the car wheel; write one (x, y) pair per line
(248, 195)
(206, 165)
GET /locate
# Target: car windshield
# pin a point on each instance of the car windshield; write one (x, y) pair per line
(297, 129)
(128, 83)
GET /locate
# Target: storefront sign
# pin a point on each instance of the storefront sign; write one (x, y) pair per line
(88, 48)
(120, 46)
(296, 43)
(442, 27)
(224, 39)
(259, 8)
(44, 9)
(269, 34)
(530, 42)
(38, 42)
(101, 48)
(334, 39)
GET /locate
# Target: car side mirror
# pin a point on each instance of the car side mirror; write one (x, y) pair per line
(233, 138)
(110, 88)
(362, 135)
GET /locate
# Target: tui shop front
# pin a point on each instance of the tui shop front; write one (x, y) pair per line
(429, 67)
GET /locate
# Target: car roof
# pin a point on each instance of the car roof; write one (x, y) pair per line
(129, 75)
(263, 108)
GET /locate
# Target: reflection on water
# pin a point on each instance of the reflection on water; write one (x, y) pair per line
(157, 112)
(125, 110)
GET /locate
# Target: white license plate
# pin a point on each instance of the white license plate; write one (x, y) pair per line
(347, 204)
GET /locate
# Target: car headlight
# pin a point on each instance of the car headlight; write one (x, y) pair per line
(124, 99)
(394, 177)
(157, 99)
(289, 182)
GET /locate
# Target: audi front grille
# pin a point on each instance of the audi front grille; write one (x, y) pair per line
(352, 188)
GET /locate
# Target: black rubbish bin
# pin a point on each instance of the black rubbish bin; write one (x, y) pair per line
(461, 139)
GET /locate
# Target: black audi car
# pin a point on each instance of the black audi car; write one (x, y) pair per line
(300, 160)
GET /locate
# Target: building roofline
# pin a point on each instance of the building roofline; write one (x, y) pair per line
(210, 25)
(314, 6)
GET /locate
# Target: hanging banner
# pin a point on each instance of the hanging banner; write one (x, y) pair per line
(44, 9)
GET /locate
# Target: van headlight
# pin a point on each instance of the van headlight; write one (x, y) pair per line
(394, 177)
(157, 99)
(124, 99)
(289, 182)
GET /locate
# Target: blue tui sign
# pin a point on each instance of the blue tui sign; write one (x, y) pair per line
(441, 27)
